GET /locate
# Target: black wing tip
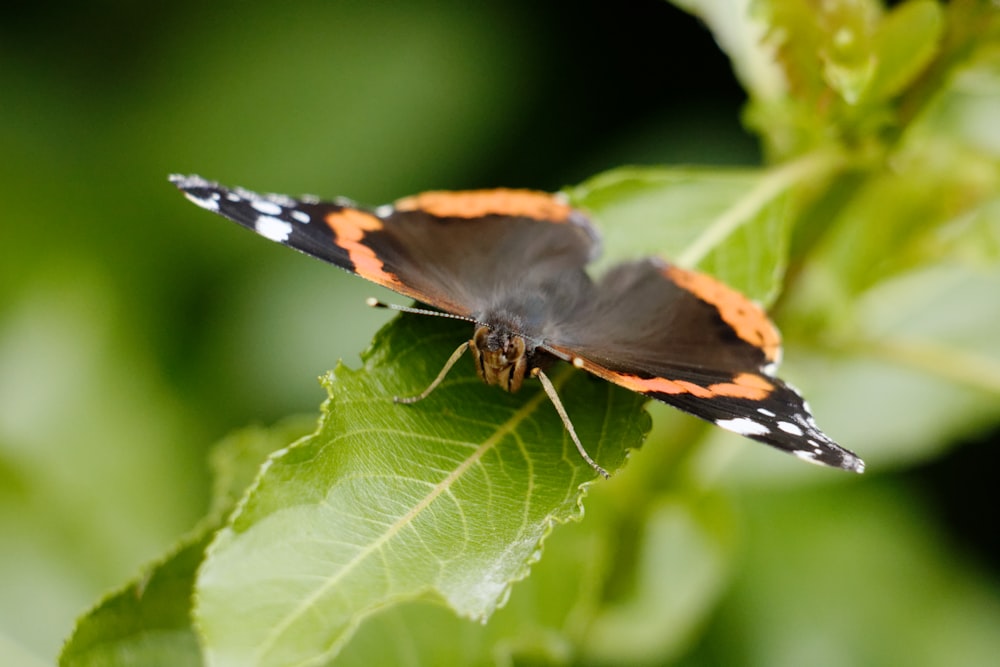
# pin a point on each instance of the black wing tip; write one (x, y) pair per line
(852, 463)
(833, 456)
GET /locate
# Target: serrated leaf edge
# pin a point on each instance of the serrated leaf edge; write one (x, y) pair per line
(223, 536)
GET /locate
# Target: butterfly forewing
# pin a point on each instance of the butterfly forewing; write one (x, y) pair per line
(461, 254)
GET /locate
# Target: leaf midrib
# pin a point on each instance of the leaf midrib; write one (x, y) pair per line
(441, 487)
(774, 182)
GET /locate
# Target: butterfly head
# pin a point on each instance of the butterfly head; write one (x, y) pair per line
(501, 357)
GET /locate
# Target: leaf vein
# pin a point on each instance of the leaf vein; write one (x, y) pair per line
(375, 547)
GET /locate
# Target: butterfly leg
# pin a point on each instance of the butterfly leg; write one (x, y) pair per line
(554, 397)
(455, 356)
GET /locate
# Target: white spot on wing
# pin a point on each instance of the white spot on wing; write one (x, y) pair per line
(266, 207)
(384, 211)
(789, 427)
(273, 228)
(209, 203)
(743, 426)
(805, 455)
(301, 216)
(766, 412)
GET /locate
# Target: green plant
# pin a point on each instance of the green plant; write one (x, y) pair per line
(875, 235)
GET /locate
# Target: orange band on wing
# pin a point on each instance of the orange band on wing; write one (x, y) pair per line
(746, 318)
(478, 203)
(350, 226)
(745, 385)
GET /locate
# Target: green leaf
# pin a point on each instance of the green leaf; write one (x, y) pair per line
(449, 499)
(148, 622)
(934, 199)
(891, 223)
(534, 627)
(906, 41)
(629, 585)
(732, 223)
(963, 109)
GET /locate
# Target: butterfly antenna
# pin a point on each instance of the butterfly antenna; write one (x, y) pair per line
(554, 397)
(455, 356)
(375, 303)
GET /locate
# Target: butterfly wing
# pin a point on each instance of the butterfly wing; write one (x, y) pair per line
(688, 340)
(453, 250)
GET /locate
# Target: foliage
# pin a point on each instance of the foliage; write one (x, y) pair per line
(873, 232)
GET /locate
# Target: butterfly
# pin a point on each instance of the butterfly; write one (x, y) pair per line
(513, 263)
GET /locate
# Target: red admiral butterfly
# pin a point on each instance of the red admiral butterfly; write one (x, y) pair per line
(512, 263)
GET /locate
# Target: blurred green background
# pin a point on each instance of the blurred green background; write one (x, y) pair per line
(136, 330)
